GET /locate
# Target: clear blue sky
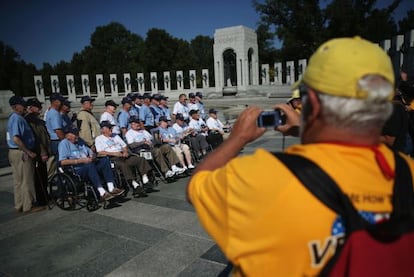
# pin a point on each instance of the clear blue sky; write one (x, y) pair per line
(51, 31)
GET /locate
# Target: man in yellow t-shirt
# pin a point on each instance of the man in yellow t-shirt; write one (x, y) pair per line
(263, 219)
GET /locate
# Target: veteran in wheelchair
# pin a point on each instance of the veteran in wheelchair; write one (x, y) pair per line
(116, 149)
(78, 164)
(139, 139)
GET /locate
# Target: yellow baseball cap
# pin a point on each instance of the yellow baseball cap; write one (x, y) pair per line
(295, 94)
(338, 64)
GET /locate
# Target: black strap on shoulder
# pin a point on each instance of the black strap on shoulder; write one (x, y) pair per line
(320, 184)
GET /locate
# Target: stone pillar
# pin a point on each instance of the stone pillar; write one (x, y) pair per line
(114, 85)
(54, 81)
(301, 68)
(218, 76)
(141, 82)
(100, 86)
(255, 70)
(180, 80)
(86, 89)
(193, 80)
(167, 81)
(154, 82)
(265, 74)
(290, 72)
(70, 81)
(40, 92)
(278, 74)
(127, 83)
(205, 77)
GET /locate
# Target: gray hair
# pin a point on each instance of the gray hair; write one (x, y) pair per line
(360, 115)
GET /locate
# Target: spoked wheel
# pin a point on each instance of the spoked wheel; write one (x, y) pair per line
(62, 191)
(92, 202)
(92, 205)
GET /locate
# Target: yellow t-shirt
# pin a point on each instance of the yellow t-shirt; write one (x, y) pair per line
(268, 224)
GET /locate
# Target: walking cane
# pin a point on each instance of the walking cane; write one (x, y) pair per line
(45, 194)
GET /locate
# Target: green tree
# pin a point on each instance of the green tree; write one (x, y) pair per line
(407, 23)
(298, 24)
(15, 74)
(202, 48)
(347, 18)
(303, 25)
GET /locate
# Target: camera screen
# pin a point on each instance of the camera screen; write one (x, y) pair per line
(268, 120)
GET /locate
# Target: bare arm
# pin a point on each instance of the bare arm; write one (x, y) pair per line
(76, 161)
(244, 131)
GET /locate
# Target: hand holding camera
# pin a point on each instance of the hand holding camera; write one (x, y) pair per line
(271, 119)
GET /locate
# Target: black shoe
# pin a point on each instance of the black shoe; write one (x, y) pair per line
(139, 192)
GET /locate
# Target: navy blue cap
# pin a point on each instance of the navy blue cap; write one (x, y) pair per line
(72, 130)
(179, 116)
(66, 102)
(199, 94)
(126, 100)
(17, 100)
(193, 112)
(86, 98)
(157, 97)
(34, 102)
(212, 110)
(146, 96)
(163, 118)
(56, 96)
(111, 103)
(106, 123)
(135, 119)
(191, 95)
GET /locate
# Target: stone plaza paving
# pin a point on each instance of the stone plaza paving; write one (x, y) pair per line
(155, 236)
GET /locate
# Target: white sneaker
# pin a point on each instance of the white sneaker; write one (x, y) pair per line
(191, 166)
(145, 179)
(177, 170)
(169, 174)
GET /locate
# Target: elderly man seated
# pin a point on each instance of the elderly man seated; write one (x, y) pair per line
(169, 136)
(73, 151)
(215, 127)
(116, 149)
(140, 139)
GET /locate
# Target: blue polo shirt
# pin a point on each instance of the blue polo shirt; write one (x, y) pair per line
(69, 151)
(146, 115)
(168, 132)
(123, 119)
(54, 122)
(18, 126)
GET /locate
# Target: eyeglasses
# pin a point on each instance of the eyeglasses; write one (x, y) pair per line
(303, 91)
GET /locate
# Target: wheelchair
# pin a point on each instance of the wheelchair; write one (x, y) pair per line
(157, 174)
(69, 191)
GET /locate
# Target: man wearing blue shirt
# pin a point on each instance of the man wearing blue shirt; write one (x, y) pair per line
(54, 121)
(124, 115)
(73, 151)
(21, 142)
(169, 135)
(145, 113)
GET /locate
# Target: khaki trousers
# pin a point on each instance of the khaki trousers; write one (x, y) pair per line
(23, 178)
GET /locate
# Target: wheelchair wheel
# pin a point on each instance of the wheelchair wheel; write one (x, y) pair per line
(92, 205)
(92, 202)
(62, 191)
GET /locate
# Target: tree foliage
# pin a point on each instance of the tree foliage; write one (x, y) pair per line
(302, 25)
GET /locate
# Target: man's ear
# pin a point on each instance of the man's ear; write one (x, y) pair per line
(315, 105)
